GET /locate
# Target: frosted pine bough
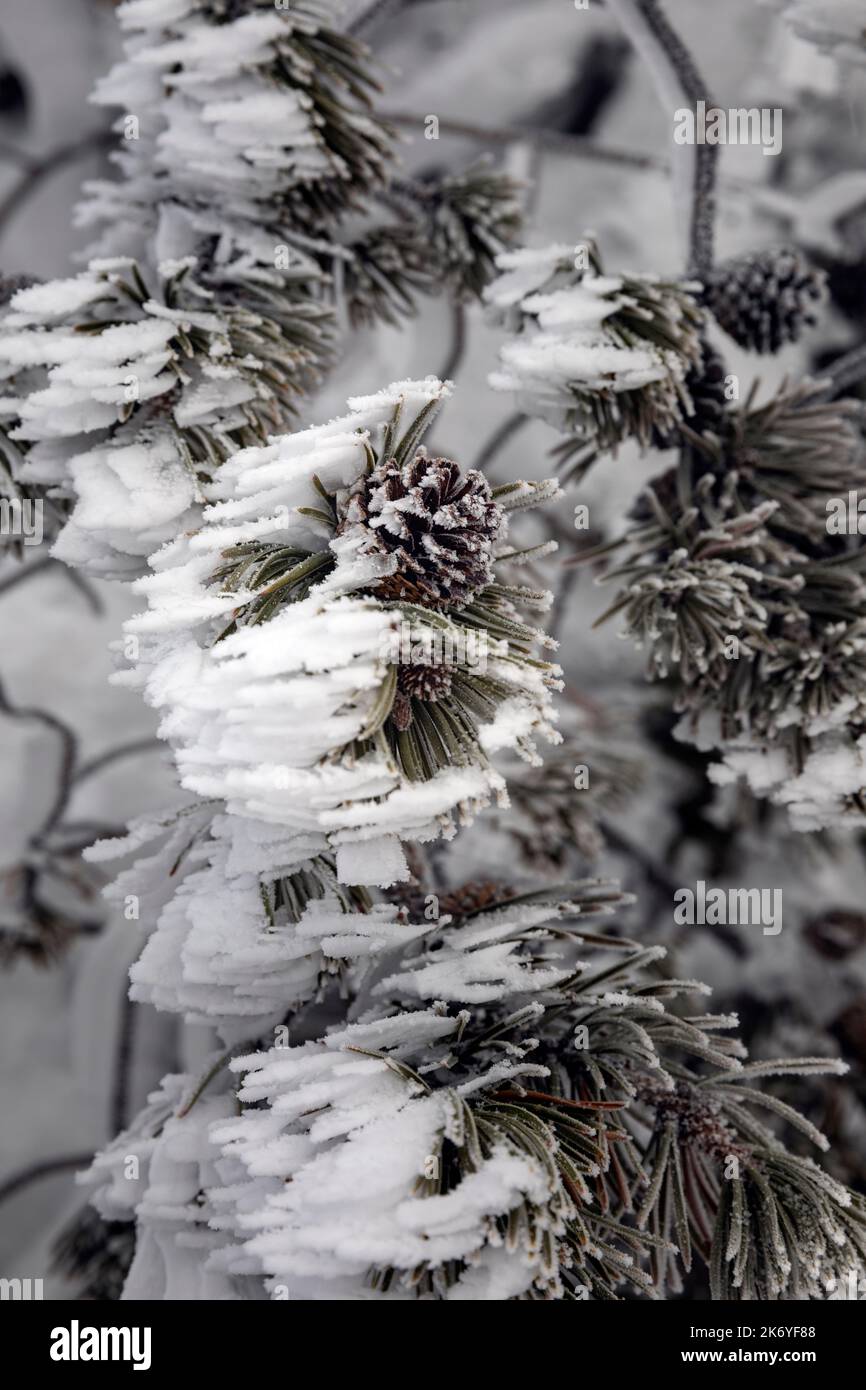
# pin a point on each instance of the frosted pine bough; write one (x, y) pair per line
(276, 604)
(240, 127)
(731, 582)
(599, 357)
(336, 665)
(175, 1167)
(237, 101)
(232, 946)
(456, 1141)
(254, 193)
(255, 137)
(133, 393)
(254, 133)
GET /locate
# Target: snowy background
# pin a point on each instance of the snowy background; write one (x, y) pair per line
(76, 1061)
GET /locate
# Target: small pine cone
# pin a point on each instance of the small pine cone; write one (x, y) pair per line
(439, 522)
(766, 299)
(418, 682)
(706, 386)
(477, 896)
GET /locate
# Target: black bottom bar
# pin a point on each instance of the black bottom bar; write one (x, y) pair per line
(229, 1340)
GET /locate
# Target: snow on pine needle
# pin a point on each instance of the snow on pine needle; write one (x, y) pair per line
(155, 1174)
(240, 917)
(733, 583)
(257, 149)
(461, 1140)
(125, 395)
(282, 636)
(254, 122)
(601, 358)
(249, 150)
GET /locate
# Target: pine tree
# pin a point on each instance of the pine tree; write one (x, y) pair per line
(425, 1085)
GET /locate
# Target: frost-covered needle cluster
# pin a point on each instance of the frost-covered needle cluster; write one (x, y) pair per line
(600, 357)
(331, 651)
(510, 1110)
(253, 216)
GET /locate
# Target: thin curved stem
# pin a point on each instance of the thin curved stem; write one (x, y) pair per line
(500, 437)
(457, 348)
(370, 16)
(124, 750)
(676, 78)
(46, 1169)
(123, 1064)
(38, 169)
(68, 752)
(554, 140)
(23, 572)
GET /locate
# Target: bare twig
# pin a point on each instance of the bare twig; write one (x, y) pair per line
(676, 78)
(68, 752)
(553, 140)
(42, 566)
(457, 348)
(500, 437)
(37, 169)
(123, 750)
(658, 881)
(26, 572)
(567, 581)
(48, 1168)
(86, 590)
(122, 1063)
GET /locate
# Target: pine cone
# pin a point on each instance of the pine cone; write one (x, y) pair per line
(418, 682)
(706, 386)
(439, 522)
(479, 895)
(765, 300)
(475, 896)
